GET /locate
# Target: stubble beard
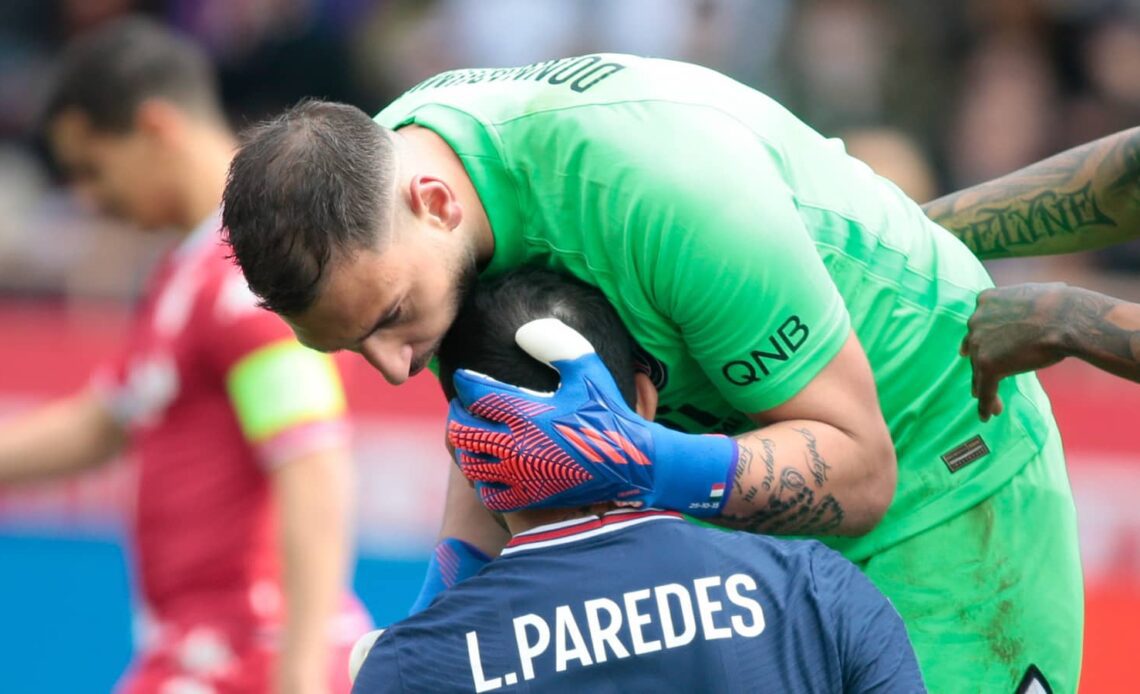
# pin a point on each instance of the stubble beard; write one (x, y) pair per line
(467, 273)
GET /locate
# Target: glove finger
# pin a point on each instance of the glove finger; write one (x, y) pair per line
(474, 434)
(471, 386)
(462, 417)
(482, 469)
(499, 497)
(556, 344)
(480, 446)
(549, 340)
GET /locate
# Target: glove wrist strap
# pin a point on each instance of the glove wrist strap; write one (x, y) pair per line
(694, 472)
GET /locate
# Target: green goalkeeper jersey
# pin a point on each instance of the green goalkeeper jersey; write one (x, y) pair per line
(740, 248)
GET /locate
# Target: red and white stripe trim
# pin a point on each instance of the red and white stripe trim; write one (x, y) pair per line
(577, 529)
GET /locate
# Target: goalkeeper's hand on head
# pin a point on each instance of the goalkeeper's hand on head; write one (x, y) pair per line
(581, 444)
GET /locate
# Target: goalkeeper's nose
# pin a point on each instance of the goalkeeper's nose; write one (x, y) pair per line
(392, 359)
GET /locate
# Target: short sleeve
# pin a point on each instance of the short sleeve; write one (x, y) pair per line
(874, 650)
(730, 262)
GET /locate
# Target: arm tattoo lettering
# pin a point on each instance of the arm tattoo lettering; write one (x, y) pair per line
(792, 507)
(769, 457)
(1085, 198)
(743, 467)
(1001, 230)
(815, 461)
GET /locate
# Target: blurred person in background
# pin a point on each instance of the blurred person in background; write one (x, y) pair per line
(893, 155)
(241, 527)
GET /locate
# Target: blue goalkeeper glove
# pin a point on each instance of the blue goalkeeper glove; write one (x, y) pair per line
(581, 444)
(452, 561)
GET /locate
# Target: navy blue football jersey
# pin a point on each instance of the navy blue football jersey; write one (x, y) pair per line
(644, 601)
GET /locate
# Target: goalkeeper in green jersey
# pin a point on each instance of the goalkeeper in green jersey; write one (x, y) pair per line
(781, 293)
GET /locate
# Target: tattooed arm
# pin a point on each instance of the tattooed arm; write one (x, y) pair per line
(1082, 199)
(796, 499)
(1030, 326)
(823, 464)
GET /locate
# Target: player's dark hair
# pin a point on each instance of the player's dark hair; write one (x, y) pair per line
(108, 73)
(306, 188)
(482, 338)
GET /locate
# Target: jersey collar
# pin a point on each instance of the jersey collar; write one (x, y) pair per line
(479, 148)
(578, 529)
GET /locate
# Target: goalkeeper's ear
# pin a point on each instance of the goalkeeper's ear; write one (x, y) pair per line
(646, 396)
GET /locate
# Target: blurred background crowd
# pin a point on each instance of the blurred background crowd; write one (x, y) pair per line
(936, 95)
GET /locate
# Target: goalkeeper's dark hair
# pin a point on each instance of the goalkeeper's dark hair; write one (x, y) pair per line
(107, 73)
(307, 189)
(482, 338)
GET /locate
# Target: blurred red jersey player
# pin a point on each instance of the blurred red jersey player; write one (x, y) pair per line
(241, 518)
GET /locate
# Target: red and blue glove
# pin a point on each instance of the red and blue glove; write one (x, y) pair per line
(581, 444)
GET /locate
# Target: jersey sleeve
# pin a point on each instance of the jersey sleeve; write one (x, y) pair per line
(874, 649)
(288, 399)
(728, 260)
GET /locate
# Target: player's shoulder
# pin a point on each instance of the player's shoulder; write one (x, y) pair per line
(423, 651)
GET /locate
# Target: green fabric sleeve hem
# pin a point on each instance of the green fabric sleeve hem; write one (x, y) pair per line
(765, 395)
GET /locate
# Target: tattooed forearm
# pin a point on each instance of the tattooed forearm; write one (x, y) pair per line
(743, 469)
(815, 461)
(1027, 327)
(1001, 231)
(787, 505)
(1085, 198)
(768, 456)
(1101, 330)
(793, 510)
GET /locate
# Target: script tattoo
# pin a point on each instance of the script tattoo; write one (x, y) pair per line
(815, 461)
(792, 506)
(769, 457)
(743, 467)
(1085, 198)
(999, 230)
